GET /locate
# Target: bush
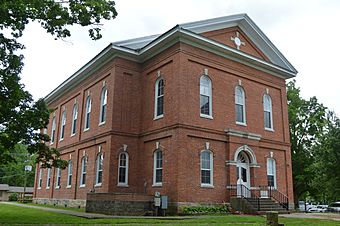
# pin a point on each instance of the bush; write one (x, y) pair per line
(205, 209)
(13, 197)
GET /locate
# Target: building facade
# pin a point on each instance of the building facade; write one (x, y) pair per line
(188, 113)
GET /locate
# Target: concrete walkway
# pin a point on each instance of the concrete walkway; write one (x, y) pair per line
(326, 216)
(95, 215)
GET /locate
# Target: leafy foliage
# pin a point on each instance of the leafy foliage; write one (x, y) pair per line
(20, 116)
(205, 209)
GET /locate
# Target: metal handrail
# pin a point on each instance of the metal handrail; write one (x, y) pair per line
(244, 192)
(276, 195)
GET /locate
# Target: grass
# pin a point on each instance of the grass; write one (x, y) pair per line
(57, 207)
(10, 215)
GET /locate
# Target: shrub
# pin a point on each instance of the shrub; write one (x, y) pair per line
(13, 197)
(205, 209)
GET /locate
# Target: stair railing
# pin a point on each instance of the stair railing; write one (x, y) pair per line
(276, 195)
(242, 191)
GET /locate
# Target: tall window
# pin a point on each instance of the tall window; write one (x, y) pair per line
(99, 170)
(57, 183)
(48, 181)
(74, 119)
(103, 102)
(240, 105)
(53, 130)
(123, 169)
(87, 113)
(159, 98)
(271, 172)
(83, 171)
(206, 168)
(62, 126)
(157, 167)
(69, 174)
(268, 115)
(205, 96)
(40, 178)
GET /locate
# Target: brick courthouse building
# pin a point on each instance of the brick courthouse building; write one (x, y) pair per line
(189, 113)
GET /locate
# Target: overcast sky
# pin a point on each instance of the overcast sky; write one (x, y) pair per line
(307, 32)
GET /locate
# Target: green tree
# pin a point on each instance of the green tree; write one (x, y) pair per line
(307, 121)
(20, 116)
(12, 173)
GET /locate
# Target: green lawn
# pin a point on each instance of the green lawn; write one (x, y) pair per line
(20, 215)
(57, 207)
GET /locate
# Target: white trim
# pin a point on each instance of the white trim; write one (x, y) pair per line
(62, 125)
(88, 107)
(83, 165)
(249, 151)
(274, 171)
(68, 186)
(237, 133)
(48, 179)
(97, 168)
(270, 110)
(241, 123)
(103, 101)
(40, 178)
(241, 103)
(98, 185)
(156, 98)
(69, 173)
(53, 128)
(154, 183)
(206, 94)
(74, 117)
(158, 117)
(124, 184)
(58, 175)
(211, 169)
(82, 186)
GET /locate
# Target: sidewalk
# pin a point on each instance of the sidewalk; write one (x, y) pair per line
(325, 216)
(97, 215)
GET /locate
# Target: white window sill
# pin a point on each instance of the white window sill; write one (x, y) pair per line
(87, 129)
(206, 116)
(39, 188)
(98, 185)
(47, 188)
(207, 186)
(123, 185)
(73, 134)
(82, 186)
(102, 123)
(57, 187)
(269, 129)
(61, 139)
(158, 117)
(241, 123)
(68, 186)
(157, 185)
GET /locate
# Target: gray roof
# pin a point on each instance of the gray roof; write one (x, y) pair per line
(15, 189)
(144, 48)
(4, 187)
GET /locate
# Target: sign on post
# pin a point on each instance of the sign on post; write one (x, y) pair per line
(28, 168)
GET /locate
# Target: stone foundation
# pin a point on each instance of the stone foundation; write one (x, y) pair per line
(119, 203)
(74, 203)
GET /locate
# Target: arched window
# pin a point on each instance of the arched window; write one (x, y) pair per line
(99, 169)
(40, 178)
(74, 119)
(83, 171)
(48, 181)
(157, 168)
(159, 98)
(87, 113)
(240, 105)
(53, 130)
(271, 172)
(123, 169)
(206, 168)
(268, 114)
(62, 126)
(103, 103)
(69, 174)
(205, 97)
(57, 183)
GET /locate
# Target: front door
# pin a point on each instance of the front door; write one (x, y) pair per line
(243, 177)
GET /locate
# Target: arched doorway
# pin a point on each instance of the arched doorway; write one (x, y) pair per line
(243, 174)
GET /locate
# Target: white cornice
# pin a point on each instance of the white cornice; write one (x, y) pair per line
(237, 133)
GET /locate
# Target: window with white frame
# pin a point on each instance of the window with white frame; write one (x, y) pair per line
(87, 113)
(62, 126)
(205, 96)
(271, 172)
(99, 169)
(123, 168)
(69, 174)
(206, 168)
(157, 168)
(40, 178)
(74, 119)
(268, 114)
(53, 130)
(48, 181)
(159, 98)
(103, 103)
(57, 182)
(83, 171)
(240, 105)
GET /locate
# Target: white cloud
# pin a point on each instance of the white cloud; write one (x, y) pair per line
(306, 32)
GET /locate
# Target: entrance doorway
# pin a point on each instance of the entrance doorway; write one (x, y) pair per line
(243, 175)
